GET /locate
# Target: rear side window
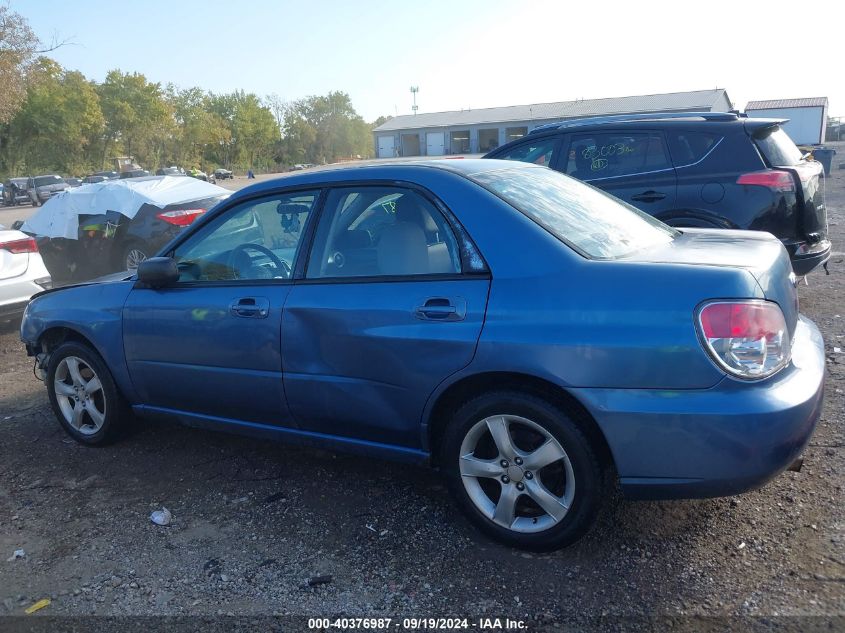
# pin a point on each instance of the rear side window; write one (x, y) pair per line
(690, 147)
(607, 155)
(777, 147)
(592, 222)
(539, 152)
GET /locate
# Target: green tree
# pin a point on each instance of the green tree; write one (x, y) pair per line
(59, 124)
(18, 54)
(138, 120)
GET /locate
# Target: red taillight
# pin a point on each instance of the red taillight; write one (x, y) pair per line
(747, 320)
(770, 178)
(16, 247)
(749, 339)
(180, 217)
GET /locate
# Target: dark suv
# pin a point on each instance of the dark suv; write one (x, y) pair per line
(711, 169)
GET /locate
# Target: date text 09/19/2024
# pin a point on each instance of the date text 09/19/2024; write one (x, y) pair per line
(418, 624)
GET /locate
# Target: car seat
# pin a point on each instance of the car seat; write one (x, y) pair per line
(403, 246)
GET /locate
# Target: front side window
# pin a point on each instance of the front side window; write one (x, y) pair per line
(381, 232)
(594, 223)
(594, 156)
(538, 152)
(252, 241)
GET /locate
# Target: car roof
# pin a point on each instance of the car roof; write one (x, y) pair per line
(385, 170)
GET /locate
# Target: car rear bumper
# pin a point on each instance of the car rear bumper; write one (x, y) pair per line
(15, 294)
(721, 441)
(816, 255)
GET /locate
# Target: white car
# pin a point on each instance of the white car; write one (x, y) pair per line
(22, 272)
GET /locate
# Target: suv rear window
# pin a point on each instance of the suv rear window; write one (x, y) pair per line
(593, 223)
(777, 147)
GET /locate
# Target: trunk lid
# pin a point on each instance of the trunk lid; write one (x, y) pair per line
(761, 254)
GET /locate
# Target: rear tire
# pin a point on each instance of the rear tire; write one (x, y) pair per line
(83, 395)
(522, 470)
(131, 255)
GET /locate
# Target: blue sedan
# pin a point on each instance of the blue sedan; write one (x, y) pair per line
(529, 335)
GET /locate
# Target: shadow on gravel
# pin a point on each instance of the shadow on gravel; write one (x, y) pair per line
(245, 502)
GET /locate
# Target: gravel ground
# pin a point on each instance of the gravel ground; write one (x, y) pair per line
(254, 522)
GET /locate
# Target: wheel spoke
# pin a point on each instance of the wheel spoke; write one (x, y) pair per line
(506, 507)
(64, 389)
(501, 436)
(93, 386)
(96, 417)
(551, 504)
(73, 367)
(548, 453)
(78, 412)
(472, 466)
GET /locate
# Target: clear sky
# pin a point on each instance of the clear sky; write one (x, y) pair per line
(461, 53)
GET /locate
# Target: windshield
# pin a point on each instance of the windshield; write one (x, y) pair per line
(595, 224)
(43, 181)
(777, 147)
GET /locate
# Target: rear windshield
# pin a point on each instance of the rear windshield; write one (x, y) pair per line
(43, 181)
(777, 147)
(593, 223)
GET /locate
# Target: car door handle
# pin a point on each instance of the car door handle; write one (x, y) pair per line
(442, 309)
(648, 196)
(250, 308)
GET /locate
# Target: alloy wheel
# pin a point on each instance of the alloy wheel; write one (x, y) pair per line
(80, 395)
(516, 473)
(134, 257)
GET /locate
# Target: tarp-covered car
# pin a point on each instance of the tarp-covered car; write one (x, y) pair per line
(113, 225)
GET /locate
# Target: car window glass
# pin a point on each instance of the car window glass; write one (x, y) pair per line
(254, 240)
(594, 223)
(689, 147)
(607, 155)
(381, 231)
(538, 151)
(777, 147)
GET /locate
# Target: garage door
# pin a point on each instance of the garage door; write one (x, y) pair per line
(434, 143)
(385, 147)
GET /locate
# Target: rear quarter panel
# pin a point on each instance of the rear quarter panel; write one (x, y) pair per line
(578, 322)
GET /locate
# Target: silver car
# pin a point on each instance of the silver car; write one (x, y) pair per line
(22, 272)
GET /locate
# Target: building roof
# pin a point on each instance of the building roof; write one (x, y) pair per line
(698, 100)
(776, 104)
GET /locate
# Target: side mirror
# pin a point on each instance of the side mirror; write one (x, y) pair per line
(158, 272)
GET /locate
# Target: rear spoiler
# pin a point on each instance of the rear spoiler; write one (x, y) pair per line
(754, 126)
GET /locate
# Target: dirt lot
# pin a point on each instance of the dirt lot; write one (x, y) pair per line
(255, 521)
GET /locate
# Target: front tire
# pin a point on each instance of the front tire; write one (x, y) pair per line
(84, 397)
(522, 470)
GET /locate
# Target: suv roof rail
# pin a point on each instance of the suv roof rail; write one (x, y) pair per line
(623, 118)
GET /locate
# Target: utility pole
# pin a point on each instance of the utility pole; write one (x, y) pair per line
(414, 91)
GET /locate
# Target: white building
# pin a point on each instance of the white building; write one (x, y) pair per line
(477, 131)
(807, 117)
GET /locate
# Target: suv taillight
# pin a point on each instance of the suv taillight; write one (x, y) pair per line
(748, 339)
(770, 178)
(16, 247)
(180, 217)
